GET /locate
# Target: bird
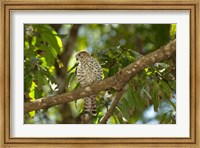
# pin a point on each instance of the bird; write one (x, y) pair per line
(88, 72)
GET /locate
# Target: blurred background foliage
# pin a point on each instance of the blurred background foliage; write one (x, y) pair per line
(49, 49)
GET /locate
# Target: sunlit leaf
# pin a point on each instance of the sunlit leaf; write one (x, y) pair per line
(34, 40)
(44, 62)
(51, 69)
(116, 119)
(26, 45)
(32, 113)
(32, 91)
(173, 31)
(32, 96)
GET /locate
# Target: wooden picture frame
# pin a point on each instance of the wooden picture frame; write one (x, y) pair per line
(13, 5)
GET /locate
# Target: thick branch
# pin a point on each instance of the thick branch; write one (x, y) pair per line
(112, 107)
(117, 81)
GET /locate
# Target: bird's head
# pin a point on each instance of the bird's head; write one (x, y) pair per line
(82, 55)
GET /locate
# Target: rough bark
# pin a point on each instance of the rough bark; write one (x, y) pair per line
(116, 82)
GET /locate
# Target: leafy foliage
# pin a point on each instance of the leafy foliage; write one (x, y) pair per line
(149, 97)
(41, 49)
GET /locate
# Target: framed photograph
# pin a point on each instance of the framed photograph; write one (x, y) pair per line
(104, 73)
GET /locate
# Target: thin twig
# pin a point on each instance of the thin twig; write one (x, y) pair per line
(112, 107)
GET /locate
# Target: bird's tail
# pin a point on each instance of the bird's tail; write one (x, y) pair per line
(90, 105)
(89, 109)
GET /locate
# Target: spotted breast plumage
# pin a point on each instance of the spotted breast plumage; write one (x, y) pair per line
(89, 71)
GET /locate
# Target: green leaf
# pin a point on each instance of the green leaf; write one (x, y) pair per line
(49, 76)
(49, 55)
(168, 118)
(77, 86)
(32, 91)
(44, 63)
(112, 71)
(43, 28)
(26, 45)
(32, 96)
(32, 113)
(34, 40)
(155, 93)
(99, 117)
(173, 31)
(137, 100)
(27, 82)
(49, 58)
(166, 89)
(172, 104)
(40, 79)
(172, 84)
(130, 97)
(29, 53)
(124, 61)
(69, 78)
(52, 41)
(146, 95)
(59, 41)
(164, 116)
(116, 120)
(125, 108)
(38, 93)
(73, 67)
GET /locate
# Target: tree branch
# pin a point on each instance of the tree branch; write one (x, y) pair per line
(116, 82)
(112, 107)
